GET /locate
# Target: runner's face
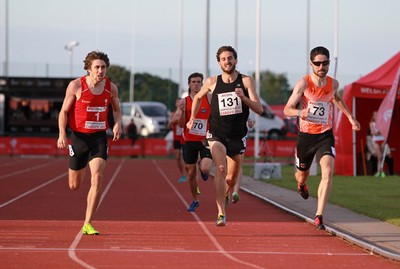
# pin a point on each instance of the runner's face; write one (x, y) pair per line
(321, 67)
(227, 62)
(98, 70)
(195, 84)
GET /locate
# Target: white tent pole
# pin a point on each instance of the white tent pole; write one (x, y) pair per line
(354, 141)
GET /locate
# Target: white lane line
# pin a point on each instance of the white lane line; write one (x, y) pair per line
(202, 225)
(34, 189)
(27, 169)
(72, 247)
(118, 250)
(341, 234)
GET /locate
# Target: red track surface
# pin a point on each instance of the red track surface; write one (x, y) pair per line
(144, 223)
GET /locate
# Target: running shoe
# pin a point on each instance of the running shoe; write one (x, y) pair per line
(235, 197)
(221, 220)
(203, 176)
(182, 179)
(319, 222)
(303, 190)
(88, 229)
(193, 206)
(380, 174)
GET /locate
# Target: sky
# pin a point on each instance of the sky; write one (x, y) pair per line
(144, 35)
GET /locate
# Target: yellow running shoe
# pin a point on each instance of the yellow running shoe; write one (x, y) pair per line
(221, 220)
(88, 229)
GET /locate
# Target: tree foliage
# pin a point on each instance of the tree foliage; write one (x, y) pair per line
(274, 88)
(147, 87)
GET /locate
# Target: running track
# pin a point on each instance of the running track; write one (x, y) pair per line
(144, 223)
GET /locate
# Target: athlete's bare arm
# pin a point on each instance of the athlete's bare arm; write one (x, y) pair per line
(117, 129)
(291, 109)
(253, 101)
(338, 101)
(208, 86)
(71, 95)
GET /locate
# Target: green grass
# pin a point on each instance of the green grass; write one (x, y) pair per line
(378, 198)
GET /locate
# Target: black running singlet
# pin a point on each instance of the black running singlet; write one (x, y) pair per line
(228, 113)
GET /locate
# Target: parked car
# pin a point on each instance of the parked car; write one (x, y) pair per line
(270, 125)
(150, 118)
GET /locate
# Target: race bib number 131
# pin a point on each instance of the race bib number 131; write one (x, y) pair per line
(229, 103)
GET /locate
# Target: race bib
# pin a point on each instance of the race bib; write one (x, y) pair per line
(229, 104)
(95, 125)
(199, 127)
(318, 112)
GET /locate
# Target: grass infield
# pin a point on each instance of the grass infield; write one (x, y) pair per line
(377, 198)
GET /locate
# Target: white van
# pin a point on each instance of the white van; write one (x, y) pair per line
(151, 118)
(269, 124)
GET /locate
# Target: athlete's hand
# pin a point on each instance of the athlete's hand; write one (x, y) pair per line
(355, 124)
(117, 130)
(239, 92)
(189, 124)
(62, 142)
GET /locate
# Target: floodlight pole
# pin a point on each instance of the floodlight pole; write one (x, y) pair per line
(70, 47)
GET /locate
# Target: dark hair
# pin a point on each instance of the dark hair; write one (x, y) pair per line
(95, 55)
(195, 75)
(226, 48)
(319, 51)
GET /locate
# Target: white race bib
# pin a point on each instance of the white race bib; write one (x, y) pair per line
(318, 112)
(199, 127)
(229, 104)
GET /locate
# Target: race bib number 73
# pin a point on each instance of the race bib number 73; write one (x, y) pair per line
(318, 112)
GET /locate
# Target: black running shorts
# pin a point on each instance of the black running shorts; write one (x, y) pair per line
(192, 151)
(310, 145)
(85, 147)
(234, 146)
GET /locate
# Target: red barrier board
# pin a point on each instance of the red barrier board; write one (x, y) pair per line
(124, 147)
(5, 146)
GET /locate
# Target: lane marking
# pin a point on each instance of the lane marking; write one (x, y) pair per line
(11, 249)
(202, 225)
(341, 234)
(78, 237)
(28, 169)
(34, 189)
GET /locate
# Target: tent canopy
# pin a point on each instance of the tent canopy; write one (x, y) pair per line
(363, 97)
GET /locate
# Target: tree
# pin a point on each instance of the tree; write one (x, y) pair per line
(274, 88)
(147, 87)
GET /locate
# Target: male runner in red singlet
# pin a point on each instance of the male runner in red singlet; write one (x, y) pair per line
(193, 137)
(85, 109)
(177, 141)
(233, 94)
(316, 94)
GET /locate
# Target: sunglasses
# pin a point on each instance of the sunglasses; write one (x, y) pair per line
(324, 63)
